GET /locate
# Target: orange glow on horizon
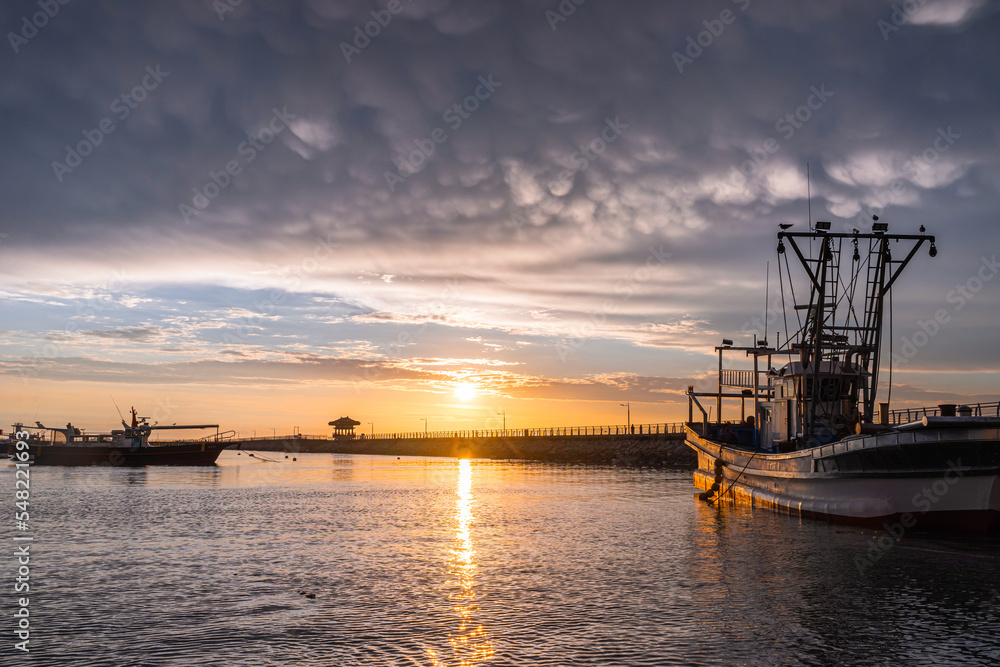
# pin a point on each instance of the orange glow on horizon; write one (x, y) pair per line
(262, 409)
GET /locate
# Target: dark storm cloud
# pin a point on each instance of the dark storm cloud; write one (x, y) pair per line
(222, 78)
(540, 160)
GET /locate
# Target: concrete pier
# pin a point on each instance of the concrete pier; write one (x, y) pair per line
(665, 450)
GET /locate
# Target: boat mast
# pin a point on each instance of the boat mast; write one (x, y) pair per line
(824, 337)
(875, 303)
(819, 317)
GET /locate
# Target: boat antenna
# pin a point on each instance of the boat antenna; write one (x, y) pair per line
(809, 201)
(767, 285)
(117, 408)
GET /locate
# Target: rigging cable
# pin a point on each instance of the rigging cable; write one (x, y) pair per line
(784, 310)
(849, 290)
(791, 286)
(888, 397)
(854, 286)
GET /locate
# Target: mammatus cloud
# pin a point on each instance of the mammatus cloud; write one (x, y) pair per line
(137, 334)
(593, 197)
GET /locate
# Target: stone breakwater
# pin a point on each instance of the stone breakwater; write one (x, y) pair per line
(653, 450)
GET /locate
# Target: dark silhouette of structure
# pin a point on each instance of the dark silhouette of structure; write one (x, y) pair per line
(343, 428)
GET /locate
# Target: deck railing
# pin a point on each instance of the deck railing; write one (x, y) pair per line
(905, 415)
(732, 378)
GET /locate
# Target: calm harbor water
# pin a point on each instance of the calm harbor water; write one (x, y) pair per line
(436, 562)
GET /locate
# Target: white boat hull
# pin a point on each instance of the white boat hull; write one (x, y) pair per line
(934, 478)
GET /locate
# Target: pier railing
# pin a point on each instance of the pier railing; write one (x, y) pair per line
(906, 415)
(619, 429)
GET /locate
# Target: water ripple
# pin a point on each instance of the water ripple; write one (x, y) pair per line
(431, 562)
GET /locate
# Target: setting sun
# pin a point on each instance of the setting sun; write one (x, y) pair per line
(466, 391)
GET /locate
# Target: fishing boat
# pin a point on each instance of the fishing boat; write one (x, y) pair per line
(812, 444)
(128, 446)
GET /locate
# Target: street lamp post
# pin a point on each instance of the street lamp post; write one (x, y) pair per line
(372, 424)
(424, 420)
(628, 415)
(504, 413)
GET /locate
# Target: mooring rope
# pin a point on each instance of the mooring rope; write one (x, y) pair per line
(729, 488)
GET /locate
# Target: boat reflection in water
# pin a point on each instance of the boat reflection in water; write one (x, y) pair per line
(471, 643)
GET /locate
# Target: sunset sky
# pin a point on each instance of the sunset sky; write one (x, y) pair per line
(255, 213)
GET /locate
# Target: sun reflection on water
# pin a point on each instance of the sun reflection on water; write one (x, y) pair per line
(470, 643)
